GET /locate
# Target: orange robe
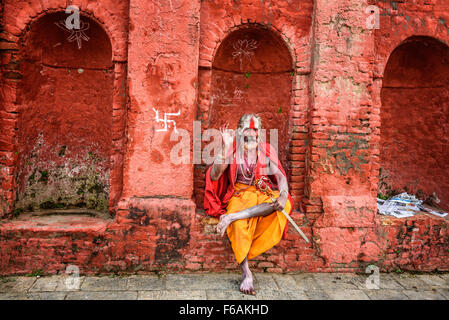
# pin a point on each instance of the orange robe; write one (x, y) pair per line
(253, 236)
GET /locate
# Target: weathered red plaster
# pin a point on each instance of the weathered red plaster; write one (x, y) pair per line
(336, 90)
(65, 118)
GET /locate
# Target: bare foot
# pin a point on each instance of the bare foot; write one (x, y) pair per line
(247, 286)
(225, 221)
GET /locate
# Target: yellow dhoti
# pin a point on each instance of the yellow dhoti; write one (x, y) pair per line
(253, 236)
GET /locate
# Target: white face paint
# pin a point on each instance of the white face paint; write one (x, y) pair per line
(250, 139)
(248, 131)
(250, 121)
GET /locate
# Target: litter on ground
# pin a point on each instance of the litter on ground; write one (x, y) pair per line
(405, 205)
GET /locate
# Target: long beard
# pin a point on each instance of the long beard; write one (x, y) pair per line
(250, 143)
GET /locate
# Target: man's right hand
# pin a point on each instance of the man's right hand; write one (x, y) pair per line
(228, 137)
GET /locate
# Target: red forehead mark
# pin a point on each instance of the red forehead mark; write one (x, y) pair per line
(251, 124)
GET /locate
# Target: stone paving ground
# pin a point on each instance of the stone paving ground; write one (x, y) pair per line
(214, 286)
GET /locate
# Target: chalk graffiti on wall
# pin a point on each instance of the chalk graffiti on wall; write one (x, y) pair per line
(244, 49)
(163, 72)
(224, 97)
(238, 95)
(167, 122)
(221, 94)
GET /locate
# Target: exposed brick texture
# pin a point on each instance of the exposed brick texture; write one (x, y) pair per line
(360, 111)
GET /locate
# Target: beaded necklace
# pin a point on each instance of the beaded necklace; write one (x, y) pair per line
(249, 169)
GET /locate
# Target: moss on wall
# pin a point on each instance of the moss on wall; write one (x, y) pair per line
(74, 183)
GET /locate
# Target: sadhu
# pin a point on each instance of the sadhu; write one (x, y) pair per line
(253, 222)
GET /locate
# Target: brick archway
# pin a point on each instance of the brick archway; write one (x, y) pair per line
(252, 72)
(415, 119)
(69, 98)
(26, 14)
(114, 25)
(65, 116)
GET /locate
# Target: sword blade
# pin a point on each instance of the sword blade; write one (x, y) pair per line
(295, 225)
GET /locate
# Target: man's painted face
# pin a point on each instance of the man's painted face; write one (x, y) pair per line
(248, 131)
(250, 138)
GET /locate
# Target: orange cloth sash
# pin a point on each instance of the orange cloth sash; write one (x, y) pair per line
(253, 236)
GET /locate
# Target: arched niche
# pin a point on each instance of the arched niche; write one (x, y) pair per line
(415, 120)
(252, 72)
(64, 133)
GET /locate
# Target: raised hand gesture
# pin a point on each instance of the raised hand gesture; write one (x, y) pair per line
(227, 136)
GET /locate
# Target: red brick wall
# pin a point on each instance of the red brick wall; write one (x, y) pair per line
(164, 57)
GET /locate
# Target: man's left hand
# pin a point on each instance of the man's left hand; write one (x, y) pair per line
(279, 203)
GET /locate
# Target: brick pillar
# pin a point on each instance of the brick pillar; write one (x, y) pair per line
(10, 76)
(341, 165)
(119, 101)
(162, 77)
(163, 67)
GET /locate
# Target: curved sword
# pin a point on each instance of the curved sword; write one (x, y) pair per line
(293, 223)
(264, 187)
